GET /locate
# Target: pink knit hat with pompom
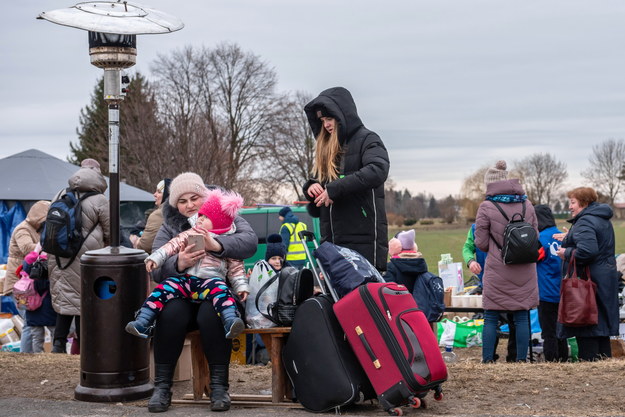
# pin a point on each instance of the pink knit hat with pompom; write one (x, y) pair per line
(221, 207)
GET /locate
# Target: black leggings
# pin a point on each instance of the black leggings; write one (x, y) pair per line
(180, 316)
(63, 324)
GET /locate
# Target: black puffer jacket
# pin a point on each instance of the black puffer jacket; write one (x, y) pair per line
(591, 240)
(357, 219)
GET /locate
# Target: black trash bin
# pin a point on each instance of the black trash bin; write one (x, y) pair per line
(114, 365)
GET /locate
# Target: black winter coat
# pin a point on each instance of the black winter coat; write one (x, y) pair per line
(357, 218)
(592, 239)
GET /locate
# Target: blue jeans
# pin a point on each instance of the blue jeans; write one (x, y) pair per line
(26, 338)
(489, 337)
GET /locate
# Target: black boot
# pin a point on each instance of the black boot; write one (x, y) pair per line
(59, 345)
(220, 400)
(163, 379)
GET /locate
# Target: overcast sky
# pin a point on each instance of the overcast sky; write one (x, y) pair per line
(449, 85)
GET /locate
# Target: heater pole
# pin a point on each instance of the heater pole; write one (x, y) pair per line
(114, 173)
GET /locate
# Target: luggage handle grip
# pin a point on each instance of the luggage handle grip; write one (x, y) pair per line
(363, 339)
(306, 235)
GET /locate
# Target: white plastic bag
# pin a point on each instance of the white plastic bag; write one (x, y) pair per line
(260, 275)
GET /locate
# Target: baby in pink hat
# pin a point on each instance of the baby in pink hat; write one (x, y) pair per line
(206, 279)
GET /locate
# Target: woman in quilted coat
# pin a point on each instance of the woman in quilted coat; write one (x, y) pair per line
(65, 283)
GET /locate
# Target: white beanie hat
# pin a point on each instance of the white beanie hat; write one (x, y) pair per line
(187, 182)
(498, 173)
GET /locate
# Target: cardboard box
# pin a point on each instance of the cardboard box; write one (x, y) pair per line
(238, 350)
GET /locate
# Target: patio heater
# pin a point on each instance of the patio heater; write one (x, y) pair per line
(114, 365)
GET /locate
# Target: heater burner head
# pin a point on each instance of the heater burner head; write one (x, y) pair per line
(118, 17)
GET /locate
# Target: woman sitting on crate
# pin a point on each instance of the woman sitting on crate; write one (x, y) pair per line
(351, 166)
(187, 194)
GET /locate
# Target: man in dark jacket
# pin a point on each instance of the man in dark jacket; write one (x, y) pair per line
(349, 201)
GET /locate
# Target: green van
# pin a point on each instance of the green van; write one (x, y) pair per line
(264, 220)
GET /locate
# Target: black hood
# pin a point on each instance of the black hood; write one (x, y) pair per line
(410, 266)
(544, 216)
(338, 103)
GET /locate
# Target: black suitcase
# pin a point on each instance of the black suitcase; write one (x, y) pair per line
(319, 361)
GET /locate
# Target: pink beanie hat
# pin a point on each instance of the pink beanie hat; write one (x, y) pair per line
(187, 182)
(221, 207)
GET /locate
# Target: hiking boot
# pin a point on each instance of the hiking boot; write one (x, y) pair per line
(233, 325)
(143, 325)
(163, 380)
(220, 399)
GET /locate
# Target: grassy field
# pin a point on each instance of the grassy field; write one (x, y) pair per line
(435, 240)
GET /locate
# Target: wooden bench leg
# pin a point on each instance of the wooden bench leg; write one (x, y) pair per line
(200, 368)
(279, 379)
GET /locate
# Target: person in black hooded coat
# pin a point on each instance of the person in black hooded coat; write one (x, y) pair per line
(590, 241)
(351, 166)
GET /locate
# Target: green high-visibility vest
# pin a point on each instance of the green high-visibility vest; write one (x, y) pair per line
(296, 249)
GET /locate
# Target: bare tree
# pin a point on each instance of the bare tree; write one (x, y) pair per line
(244, 91)
(606, 166)
(472, 192)
(289, 156)
(186, 108)
(542, 176)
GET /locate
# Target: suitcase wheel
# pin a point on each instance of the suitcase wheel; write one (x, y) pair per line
(416, 402)
(396, 411)
(438, 393)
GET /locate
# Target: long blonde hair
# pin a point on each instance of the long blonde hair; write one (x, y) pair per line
(327, 150)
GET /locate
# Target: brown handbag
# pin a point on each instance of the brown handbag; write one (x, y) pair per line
(578, 303)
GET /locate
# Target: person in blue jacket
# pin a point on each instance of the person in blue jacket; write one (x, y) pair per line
(548, 269)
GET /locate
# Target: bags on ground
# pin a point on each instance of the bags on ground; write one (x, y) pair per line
(460, 334)
(261, 274)
(346, 268)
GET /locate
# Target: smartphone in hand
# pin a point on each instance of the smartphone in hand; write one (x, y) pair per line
(197, 240)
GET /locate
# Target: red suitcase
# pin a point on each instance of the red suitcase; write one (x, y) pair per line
(394, 344)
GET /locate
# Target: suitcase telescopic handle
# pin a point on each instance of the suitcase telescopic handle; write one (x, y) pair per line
(308, 236)
(374, 360)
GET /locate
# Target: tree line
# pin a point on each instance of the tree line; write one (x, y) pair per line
(216, 111)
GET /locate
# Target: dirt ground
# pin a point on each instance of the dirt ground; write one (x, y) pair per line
(546, 389)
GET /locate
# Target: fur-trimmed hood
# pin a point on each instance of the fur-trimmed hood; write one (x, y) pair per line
(174, 219)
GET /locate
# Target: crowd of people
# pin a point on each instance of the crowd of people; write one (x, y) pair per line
(196, 243)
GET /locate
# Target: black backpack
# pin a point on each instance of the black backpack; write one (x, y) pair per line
(62, 231)
(294, 287)
(520, 240)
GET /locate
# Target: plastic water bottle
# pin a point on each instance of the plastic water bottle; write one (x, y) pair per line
(448, 354)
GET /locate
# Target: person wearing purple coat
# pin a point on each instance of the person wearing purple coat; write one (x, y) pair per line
(512, 288)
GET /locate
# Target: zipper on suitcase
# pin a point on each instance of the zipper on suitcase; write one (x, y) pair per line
(387, 333)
